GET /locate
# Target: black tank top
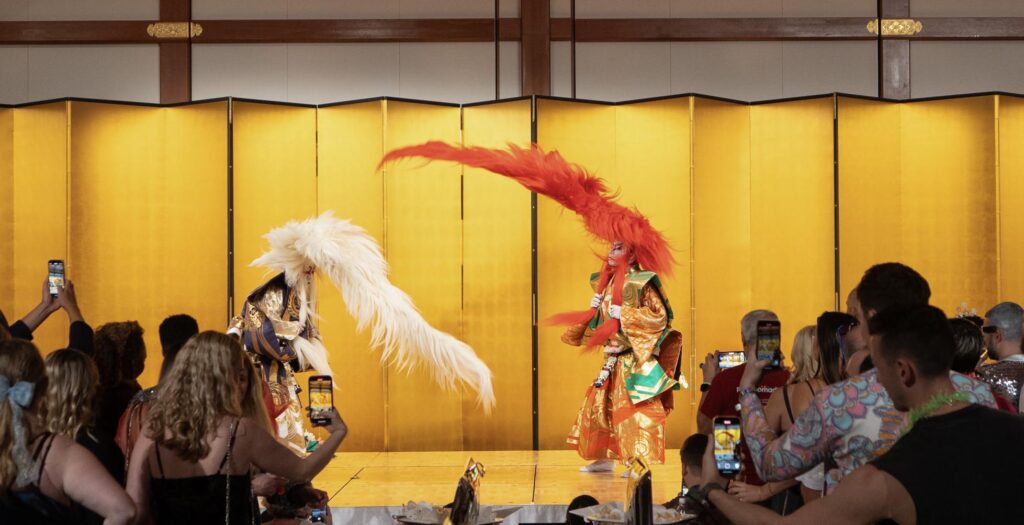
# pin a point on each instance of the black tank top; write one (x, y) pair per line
(202, 500)
(30, 505)
(953, 475)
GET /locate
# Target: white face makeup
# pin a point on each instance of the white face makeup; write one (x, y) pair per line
(618, 253)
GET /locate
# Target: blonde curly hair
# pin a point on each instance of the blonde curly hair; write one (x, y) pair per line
(201, 388)
(73, 382)
(805, 357)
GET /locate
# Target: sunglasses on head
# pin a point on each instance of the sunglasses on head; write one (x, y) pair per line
(989, 329)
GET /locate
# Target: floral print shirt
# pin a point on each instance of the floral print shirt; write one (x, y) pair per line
(847, 425)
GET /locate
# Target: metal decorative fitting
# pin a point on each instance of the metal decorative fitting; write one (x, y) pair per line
(174, 30)
(895, 26)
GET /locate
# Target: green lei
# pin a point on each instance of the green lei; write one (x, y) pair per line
(933, 404)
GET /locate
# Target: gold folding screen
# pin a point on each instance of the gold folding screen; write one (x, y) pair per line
(136, 199)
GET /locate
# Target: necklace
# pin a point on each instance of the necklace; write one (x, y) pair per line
(933, 404)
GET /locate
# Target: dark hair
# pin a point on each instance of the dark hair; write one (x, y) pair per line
(120, 352)
(921, 334)
(579, 502)
(969, 344)
(829, 351)
(892, 285)
(175, 331)
(692, 453)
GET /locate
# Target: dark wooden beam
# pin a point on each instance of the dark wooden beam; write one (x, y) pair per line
(175, 56)
(536, 46)
(711, 29)
(482, 30)
(893, 54)
(341, 31)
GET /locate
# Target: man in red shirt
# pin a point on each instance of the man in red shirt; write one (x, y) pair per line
(721, 397)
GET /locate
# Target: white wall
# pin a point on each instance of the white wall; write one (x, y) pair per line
(464, 72)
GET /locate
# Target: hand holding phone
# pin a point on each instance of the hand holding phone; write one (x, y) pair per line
(768, 343)
(321, 401)
(726, 442)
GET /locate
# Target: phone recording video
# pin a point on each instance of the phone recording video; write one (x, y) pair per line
(321, 400)
(726, 436)
(55, 275)
(730, 359)
(768, 338)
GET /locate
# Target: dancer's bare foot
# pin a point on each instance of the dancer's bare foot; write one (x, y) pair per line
(601, 465)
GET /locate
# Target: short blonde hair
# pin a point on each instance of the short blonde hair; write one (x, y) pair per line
(73, 382)
(200, 389)
(806, 364)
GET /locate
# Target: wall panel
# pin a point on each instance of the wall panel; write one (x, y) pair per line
(40, 213)
(423, 244)
(497, 277)
(792, 230)
(350, 143)
(7, 212)
(1010, 200)
(139, 252)
(585, 134)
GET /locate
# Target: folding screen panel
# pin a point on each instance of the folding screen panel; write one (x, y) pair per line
(1010, 184)
(763, 216)
(40, 207)
(497, 275)
(423, 244)
(350, 143)
(643, 149)
(927, 196)
(148, 228)
(7, 211)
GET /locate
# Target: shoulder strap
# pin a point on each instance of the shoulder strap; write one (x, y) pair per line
(789, 408)
(810, 385)
(49, 444)
(231, 444)
(39, 446)
(159, 463)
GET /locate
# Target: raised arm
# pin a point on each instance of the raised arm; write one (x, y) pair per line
(798, 450)
(271, 456)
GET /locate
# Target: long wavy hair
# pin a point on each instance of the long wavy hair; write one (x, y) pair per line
(805, 357)
(201, 388)
(73, 382)
(19, 361)
(120, 352)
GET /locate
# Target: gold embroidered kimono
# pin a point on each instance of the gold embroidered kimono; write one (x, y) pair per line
(624, 410)
(269, 322)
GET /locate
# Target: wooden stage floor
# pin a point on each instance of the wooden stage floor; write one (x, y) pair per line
(365, 479)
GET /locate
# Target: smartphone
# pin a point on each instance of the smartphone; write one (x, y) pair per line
(730, 359)
(319, 515)
(768, 343)
(727, 436)
(55, 275)
(321, 400)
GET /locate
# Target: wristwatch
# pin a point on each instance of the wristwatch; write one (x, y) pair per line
(704, 387)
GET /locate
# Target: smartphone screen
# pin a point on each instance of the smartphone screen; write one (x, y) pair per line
(768, 342)
(727, 442)
(730, 359)
(55, 275)
(321, 400)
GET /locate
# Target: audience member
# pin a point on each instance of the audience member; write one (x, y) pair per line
(722, 394)
(579, 502)
(970, 348)
(43, 474)
(70, 397)
(853, 421)
(175, 331)
(1003, 339)
(192, 464)
(120, 356)
(910, 483)
(79, 332)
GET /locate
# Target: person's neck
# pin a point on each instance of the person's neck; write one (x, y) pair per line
(1009, 351)
(931, 389)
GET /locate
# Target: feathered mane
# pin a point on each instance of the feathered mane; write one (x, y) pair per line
(575, 188)
(352, 260)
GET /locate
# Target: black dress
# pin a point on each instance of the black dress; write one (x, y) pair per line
(203, 500)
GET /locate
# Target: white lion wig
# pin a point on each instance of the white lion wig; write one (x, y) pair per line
(352, 260)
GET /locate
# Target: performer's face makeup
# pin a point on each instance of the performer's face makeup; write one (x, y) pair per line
(617, 254)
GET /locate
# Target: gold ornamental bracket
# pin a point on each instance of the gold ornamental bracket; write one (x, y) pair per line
(895, 26)
(177, 30)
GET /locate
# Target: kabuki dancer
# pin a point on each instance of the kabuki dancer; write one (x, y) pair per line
(276, 323)
(624, 410)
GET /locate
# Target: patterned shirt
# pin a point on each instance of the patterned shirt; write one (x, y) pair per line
(848, 424)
